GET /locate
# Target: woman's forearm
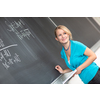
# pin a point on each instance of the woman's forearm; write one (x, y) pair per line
(66, 70)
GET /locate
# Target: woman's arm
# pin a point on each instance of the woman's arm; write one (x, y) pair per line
(91, 57)
(61, 70)
(66, 70)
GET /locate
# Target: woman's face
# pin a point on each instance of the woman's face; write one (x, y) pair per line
(62, 37)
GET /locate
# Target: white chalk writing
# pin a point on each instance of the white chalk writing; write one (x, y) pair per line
(18, 27)
(1, 43)
(6, 58)
(6, 62)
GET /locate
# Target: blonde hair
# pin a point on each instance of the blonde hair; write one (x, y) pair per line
(64, 28)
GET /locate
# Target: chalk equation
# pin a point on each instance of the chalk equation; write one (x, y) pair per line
(19, 28)
(6, 58)
(1, 43)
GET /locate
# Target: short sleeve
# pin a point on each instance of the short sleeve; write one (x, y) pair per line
(80, 48)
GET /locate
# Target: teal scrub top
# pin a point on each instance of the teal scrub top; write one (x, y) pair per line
(77, 58)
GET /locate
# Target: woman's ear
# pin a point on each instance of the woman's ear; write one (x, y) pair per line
(56, 38)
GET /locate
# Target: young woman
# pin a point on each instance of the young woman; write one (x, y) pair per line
(77, 56)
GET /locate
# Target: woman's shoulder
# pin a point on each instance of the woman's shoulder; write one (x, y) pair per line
(79, 47)
(76, 42)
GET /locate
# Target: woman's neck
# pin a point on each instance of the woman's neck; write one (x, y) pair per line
(66, 45)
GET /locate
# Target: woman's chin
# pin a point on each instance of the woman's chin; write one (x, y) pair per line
(64, 42)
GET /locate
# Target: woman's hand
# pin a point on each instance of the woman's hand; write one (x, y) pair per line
(57, 67)
(78, 71)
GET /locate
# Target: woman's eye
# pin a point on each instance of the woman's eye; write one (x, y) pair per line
(59, 34)
(64, 33)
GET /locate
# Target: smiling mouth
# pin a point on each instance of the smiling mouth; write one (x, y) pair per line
(63, 39)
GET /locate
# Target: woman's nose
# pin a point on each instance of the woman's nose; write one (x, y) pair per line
(62, 35)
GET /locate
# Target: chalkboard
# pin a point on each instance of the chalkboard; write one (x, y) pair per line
(28, 51)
